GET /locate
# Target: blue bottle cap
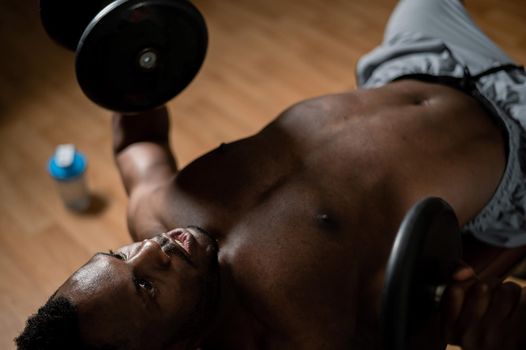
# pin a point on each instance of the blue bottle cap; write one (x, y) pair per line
(67, 163)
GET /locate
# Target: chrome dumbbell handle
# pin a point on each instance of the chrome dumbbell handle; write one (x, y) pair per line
(439, 293)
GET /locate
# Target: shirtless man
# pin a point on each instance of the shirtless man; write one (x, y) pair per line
(279, 240)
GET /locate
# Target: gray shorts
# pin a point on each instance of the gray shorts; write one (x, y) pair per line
(436, 40)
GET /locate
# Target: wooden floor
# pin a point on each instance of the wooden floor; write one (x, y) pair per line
(264, 55)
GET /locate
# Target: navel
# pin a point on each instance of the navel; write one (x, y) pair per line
(327, 222)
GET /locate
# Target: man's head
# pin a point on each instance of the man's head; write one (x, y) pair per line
(157, 294)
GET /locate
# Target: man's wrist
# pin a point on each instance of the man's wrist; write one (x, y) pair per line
(149, 126)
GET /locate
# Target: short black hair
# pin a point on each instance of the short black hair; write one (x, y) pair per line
(54, 327)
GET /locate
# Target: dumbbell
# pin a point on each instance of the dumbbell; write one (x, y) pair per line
(426, 251)
(131, 55)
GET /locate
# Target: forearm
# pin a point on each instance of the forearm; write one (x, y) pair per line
(141, 148)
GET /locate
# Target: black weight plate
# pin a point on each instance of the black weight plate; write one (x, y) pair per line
(107, 63)
(425, 252)
(65, 20)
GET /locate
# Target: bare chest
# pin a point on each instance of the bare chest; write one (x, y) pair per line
(309, 206)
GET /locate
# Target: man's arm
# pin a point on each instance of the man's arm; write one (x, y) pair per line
(146, 163)
(484, 314)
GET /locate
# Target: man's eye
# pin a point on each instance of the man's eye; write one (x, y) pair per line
(146, 285)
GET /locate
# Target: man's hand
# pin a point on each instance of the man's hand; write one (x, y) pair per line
(483, 314)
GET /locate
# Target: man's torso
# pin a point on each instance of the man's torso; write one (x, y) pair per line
(305, 211)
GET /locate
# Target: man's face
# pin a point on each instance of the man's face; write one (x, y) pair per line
(155, 294)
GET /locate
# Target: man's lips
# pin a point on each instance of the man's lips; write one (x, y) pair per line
(182, 238)
(188, 243)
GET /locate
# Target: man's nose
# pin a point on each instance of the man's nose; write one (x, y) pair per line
(150, 255)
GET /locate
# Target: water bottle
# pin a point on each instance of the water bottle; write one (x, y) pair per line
(67, 167)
